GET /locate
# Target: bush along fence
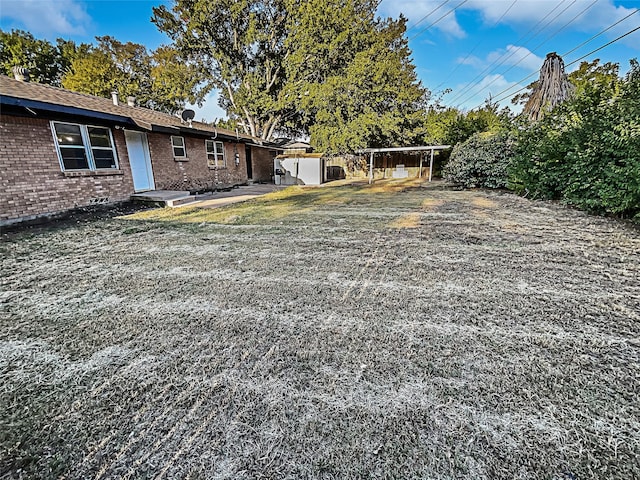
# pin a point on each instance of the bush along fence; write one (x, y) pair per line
(585, 152)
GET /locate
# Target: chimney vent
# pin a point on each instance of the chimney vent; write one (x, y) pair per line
(131, 101)
(114, 97)
(20, 73)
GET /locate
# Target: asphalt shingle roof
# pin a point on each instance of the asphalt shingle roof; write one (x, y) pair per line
(143, 117)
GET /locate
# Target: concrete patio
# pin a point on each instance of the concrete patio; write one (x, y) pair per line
(172, 198)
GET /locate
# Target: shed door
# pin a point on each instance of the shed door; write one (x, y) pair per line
(140, 161)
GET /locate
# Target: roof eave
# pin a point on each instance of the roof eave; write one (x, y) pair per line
(64, 109)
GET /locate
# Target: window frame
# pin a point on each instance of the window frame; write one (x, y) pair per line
(183, 147)
(215, 153)
(86, 146)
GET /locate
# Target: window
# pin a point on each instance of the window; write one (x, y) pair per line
(179, 150)
(82, 147)
(215, 153)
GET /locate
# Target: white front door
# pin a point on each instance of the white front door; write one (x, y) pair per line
(140, 161)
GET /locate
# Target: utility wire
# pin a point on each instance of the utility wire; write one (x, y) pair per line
(443, 16)
(603, 46)
(603, 31)
(474, 48)
(535, 48)
(427, 15)
(473, 83)
(572, 63)
(567, 53)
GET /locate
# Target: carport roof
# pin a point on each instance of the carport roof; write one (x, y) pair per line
(424, 148)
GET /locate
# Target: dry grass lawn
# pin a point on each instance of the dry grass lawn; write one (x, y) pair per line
(342, 332)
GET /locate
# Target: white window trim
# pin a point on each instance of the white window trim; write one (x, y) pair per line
(86, 145)
(215, 153)
(174, 146)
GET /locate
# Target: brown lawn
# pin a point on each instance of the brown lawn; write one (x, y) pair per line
(392, 331)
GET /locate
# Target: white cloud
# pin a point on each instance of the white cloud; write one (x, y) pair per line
(550, 16)
(47, 17)
(422, 13)
(516, 56)
(504, 59)
(471, 60)
(534, 18)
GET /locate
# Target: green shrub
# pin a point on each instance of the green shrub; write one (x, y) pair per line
(587, 151)
(481, 161)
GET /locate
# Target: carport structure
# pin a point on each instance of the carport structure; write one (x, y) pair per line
(425, 148)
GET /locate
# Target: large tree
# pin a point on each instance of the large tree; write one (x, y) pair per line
(46, 62)
(159, 80)
(354, 77)
(240, 44)
(326, 67)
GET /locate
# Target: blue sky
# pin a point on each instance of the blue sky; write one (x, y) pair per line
(476, 48)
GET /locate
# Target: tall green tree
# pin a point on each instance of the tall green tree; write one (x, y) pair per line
(240, 46)
(354, 77)
(325, 67)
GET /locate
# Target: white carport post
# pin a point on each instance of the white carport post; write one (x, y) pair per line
(371, 168)
(431, 165)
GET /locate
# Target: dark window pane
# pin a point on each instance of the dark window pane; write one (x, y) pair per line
(74, 158)
(177, 141)
(99, 137)
(68, 134)
(178, 152)
(104, 158)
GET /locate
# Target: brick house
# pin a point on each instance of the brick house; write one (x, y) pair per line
(61, 150)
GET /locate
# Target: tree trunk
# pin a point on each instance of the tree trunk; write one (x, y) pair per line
(553, 88)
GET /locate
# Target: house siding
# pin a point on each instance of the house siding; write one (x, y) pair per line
(193, 173)
(32, 183)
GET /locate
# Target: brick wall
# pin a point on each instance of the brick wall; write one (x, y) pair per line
(262, 164)
(31, 180)
(194, 173)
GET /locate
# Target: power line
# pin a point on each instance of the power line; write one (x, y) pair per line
(535, 48)
(572, 63)
(427, 15)
(474, 83)
(603, 31)
(567, 53)
(474, 48)
(603, 46)
(443, 16)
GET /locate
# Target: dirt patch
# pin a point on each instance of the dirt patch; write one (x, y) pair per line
(306, 334)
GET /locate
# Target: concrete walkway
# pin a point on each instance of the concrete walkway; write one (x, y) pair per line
(240, 194)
